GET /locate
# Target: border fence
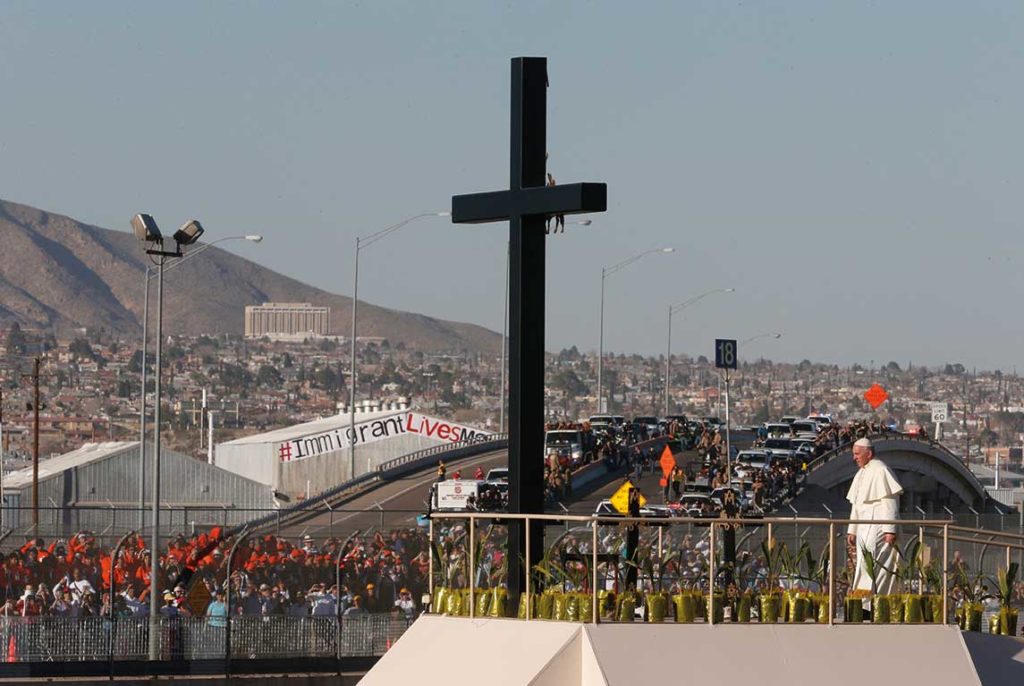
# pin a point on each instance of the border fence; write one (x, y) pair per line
(91, 639)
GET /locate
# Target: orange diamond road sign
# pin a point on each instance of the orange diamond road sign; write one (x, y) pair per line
(667, 462)
(875, 396)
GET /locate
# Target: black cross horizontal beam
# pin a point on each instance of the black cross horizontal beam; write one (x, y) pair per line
(572, 198)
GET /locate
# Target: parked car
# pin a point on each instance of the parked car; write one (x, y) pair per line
(776, 429)
(498, 475)
(606, 509)
(804, 426)
(779, 448)
(698, 505)
(647, 425)
(753, 461)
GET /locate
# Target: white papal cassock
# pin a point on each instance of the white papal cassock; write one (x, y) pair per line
(874, 494)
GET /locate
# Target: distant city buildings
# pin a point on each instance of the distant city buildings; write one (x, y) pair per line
(286, 321)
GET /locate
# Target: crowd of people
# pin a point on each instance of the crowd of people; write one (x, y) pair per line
(270, 575)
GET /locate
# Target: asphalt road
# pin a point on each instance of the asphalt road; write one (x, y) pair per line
(392, 504)
(397, 503)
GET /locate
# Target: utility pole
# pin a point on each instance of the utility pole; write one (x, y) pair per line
(2, 453)
(35, 446)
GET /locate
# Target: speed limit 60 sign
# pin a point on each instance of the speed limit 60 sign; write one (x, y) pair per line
(940, 412)
(725, 353)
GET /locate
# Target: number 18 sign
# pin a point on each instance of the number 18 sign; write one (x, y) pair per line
(725, 353)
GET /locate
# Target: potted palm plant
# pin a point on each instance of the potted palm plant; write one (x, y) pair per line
(1006, 577)
(657, 601)
(770, 600)
(972, 592)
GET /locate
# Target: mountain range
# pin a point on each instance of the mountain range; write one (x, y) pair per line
(58, 274)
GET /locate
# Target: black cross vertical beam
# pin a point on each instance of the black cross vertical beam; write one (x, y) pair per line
(526, 205)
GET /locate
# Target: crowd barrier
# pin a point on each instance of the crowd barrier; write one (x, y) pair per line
(87, 639)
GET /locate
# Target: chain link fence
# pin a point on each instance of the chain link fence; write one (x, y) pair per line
(84, 639)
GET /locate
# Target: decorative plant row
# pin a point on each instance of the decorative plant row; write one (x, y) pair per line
(781, 586)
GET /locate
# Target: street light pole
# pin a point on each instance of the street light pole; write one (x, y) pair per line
(668, 353)
(353, 372)
(142, 406)
(155, 597)
(146, 230)
(252, 238)
(605, 273)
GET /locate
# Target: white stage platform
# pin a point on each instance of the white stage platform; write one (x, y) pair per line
(452, 651)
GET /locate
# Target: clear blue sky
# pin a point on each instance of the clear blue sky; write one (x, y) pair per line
(853, 169)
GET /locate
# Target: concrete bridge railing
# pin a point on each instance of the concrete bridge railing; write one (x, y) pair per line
(920, 455)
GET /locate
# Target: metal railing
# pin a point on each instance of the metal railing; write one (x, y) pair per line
(86, 639)
(827, 456)
(452, 451)
(710, 583)
(385, 471)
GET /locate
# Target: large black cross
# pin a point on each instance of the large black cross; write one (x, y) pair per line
(526, 205)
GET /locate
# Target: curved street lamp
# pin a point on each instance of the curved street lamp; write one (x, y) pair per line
(758, 337)
(365, 242)
(605, 273)
(673, 309)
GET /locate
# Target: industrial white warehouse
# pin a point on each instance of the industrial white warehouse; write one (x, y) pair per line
(96, 488)
(314, 456)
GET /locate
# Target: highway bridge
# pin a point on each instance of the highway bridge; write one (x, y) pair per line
(935, 479)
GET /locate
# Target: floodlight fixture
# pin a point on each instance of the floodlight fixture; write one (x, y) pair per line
(254, 238)
(189, 233)
(146, 229)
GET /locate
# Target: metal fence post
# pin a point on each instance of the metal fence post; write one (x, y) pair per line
(472, 566)
(945, 573)
(831, 573)
(529, 570)
(430, 563)
(596, 612)
(227, 601)
(113, 594)
(711, 572)
(337, 566)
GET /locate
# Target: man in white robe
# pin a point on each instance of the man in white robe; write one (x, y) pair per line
(874, 495)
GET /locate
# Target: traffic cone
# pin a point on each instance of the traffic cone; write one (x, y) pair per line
(12, 650)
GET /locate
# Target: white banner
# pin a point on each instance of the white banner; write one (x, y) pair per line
(440, 430)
